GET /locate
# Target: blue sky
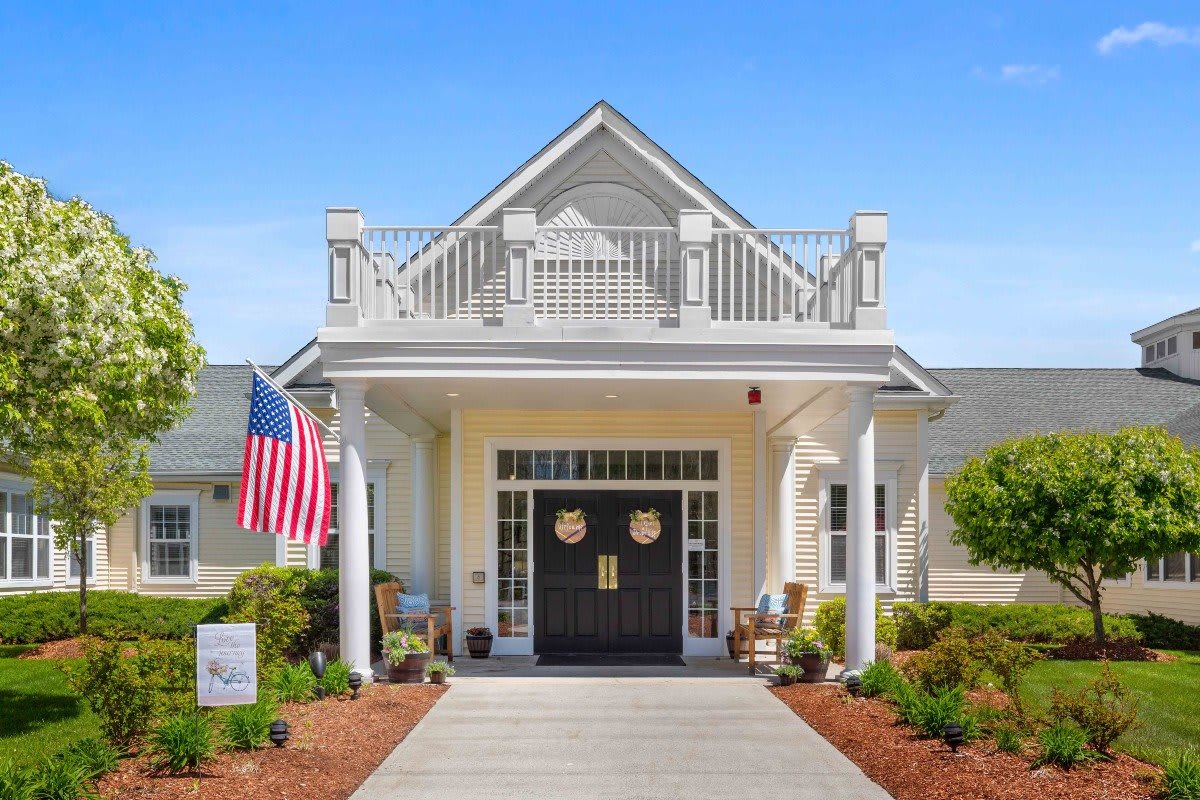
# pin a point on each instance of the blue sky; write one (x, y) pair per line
(1039, 161)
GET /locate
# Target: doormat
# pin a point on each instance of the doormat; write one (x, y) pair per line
(610, 660)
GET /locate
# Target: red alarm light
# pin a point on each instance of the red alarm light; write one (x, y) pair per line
(754, 396)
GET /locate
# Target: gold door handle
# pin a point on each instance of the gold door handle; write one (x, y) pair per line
(612, 572)
(602, 571)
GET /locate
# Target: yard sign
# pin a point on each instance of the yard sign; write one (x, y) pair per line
(225, 665)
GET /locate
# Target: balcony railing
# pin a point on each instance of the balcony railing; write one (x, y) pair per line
(692, 274)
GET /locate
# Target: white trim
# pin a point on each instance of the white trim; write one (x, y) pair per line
(923, 507)
(456, 527)
(10, 484)
(887, 473)
(762, 469)
(171, 497)
(723, 487)
(70, 560)
(1158, 583)
(601, 189)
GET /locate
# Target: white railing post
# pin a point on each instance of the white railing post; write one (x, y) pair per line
(520, 233)
(695, 244)
(868, 230)
(343, 233)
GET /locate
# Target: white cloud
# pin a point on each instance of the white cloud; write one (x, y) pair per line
(1196, 246)
(1153, 32)
(1023, 74)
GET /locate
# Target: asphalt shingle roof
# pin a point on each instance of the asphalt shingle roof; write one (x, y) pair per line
(1000, 403)
(213, 437)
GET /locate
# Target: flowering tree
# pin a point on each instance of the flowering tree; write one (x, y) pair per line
(97, 357)
(1078, 506)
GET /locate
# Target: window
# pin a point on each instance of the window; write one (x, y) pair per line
(1196, 340)
(24, 540)
(1163, 348)
(512, 560)
(702, 556)
(330, 553)
(836, 501)
(1177, 568)
(1171, 346)
(89, 558)
(170, 520)
(607, 465)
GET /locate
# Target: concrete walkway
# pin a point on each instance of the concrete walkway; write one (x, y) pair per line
(696, 732)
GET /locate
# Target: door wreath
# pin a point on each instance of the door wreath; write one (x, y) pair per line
(570, 526)
(644, 526)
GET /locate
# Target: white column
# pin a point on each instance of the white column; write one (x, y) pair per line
(923, 505)
(695, 242)
(860, 528)
(355, 558)
(520, 233)
(424, 517)
(783, 517)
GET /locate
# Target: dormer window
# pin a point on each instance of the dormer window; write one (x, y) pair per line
(1163, 348)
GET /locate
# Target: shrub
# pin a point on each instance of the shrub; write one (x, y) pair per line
(1063, 746)
(931, 712)
(336, 679)
(1009, 739)
(47, 616)
(1104, 709)
(879, 679)
(248, 727)
(320, 599)
(294, 683)
(830, 622)
(1181, 776)
(1008, 662)
(1161, 631)
(951, 661)
(182, 742)
(918, 624)
(61, 779)
(270, 596)
(127, 694)
(94, 755)
(16, 783)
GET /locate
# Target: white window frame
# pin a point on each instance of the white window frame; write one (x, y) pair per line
(376, 476)
(14, 485)
(70, 562)
(1159, 583)
(886, 473)
(723, 487)
(172, 497)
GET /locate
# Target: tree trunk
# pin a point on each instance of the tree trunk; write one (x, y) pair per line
(1097, 618)
(80, 556)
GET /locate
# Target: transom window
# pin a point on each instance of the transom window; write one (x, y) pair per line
(1175, 568)
(24, 540)
(607, 465)
(834, 531)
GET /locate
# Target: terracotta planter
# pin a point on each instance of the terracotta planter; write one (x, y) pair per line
(437, 678)
(479, 646)
(815, 667)
(410, 670)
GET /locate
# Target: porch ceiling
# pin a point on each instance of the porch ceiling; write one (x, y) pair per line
(423, 405)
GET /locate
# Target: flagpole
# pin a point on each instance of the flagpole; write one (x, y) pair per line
(293, 400)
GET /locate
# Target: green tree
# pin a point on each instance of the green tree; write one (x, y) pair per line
(1078, 506)
(97, 357)
(85, 488)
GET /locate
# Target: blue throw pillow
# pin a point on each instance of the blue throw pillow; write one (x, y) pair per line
(770, 606)
(412, 603)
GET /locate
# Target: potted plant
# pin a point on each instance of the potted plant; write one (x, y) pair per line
(479, 642)
(729, 644)
(788, 673)
(406, 656)
(438, 671)
(805, 649)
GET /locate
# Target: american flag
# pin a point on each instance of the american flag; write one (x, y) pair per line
(285, 480)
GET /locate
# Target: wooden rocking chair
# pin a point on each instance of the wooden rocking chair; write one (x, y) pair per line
(749, 630)
(426, 626)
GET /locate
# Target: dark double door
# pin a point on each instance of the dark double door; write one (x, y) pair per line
(635, 606)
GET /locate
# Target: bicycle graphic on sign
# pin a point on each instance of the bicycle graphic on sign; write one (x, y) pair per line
(230, 677)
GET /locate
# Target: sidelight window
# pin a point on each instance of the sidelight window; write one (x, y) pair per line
(512, 552)
(702, 559)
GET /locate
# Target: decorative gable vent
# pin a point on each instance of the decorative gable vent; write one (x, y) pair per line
(221, 492)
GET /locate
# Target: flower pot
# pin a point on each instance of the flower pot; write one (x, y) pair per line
(815, 667)
(437, 678)
(729, 645)
(786, 680)
(479, 646)
(410, 670)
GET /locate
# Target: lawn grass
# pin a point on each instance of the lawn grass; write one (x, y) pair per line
(39, 715)
(1168, 696)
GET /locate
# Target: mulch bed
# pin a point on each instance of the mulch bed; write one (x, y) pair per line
(909, 768)
(63, 648)
(1119, 650)
(335, 744)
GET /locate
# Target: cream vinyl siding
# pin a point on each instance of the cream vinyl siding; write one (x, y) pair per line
(952, 578)
(478, 425)
(895, 444)
(1179, 601)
